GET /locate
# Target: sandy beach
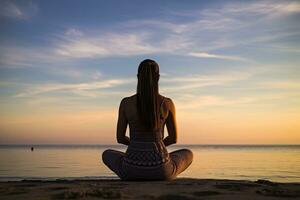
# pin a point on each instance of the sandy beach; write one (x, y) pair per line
(183, 188)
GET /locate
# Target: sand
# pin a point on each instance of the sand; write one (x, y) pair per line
(182, 188)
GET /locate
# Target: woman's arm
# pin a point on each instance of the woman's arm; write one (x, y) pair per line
(122, 125)
(171, 125)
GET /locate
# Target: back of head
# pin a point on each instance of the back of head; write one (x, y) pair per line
(147, 93)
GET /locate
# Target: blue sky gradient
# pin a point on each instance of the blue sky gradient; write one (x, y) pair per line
(225, 58)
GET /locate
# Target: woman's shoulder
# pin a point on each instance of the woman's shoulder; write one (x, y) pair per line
(131, 99)
(167, 100)
(128, 99)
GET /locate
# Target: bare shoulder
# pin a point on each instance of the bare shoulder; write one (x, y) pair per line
(128, 100)
(168, 102)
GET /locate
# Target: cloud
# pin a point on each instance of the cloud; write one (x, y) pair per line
(18, 9)
(194, 102)
(78, 88)
(107, 45)
(76, 44)
(222, 27)
(281, 84)
(6, 83)
(202, 33)
(19, 56)
(79, 98)
(209, 55)
(75, 73)
(73, 32)
(177, 84)
(169, 84)
(269, 8)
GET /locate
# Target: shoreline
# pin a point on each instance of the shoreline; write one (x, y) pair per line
(37, 179)
(181, 188)
(4, 179)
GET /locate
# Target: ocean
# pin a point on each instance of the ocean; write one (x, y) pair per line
(244, 162)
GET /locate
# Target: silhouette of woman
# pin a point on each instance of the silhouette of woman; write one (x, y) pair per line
(146, 112)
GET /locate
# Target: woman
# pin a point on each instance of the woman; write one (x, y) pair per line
(147, 112)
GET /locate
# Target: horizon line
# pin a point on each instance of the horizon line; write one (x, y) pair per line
(220, 144)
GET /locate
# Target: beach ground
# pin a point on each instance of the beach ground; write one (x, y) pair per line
(182, 188)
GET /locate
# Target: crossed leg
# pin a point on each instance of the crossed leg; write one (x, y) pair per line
(182, 159)
(112, 159)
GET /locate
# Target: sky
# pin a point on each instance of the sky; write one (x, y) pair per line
(230, 67)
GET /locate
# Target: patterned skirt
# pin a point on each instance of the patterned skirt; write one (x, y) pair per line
(147, 154)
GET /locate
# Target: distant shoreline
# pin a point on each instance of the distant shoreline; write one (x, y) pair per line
(176, 145)
(50, 179)
(181, 188)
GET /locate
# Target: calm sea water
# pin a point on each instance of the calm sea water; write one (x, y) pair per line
(276, 163)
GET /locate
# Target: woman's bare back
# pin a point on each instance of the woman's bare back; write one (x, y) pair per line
(128, 115)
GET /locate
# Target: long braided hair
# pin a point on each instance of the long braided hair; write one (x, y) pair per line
(147, 94)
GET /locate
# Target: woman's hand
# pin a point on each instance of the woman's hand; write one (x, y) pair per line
(122, 125)
(171, 124)
(168, 141)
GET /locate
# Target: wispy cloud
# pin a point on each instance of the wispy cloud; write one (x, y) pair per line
(76, 44)
(222, 27)
(202, 101)
(204, 33)
(268, 8)
(75, 73)
(73, 32)
(193, 82)
(111, 44)
(19, 56)
(281, 84)
(78, 88)
(17, 9)
(192, 102)
(216, 56)
(170, 84)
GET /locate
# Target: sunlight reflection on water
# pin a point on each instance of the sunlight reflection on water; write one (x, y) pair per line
(277, 163)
